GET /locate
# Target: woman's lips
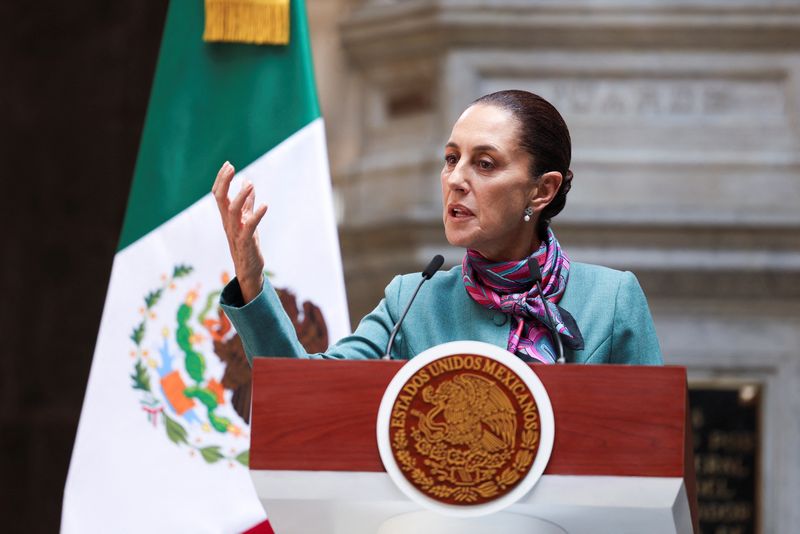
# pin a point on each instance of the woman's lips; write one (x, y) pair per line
(457, 211)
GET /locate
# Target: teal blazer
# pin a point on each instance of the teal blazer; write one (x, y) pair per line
(608, 306)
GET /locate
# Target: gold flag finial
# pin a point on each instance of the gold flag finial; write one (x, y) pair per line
(247, 21)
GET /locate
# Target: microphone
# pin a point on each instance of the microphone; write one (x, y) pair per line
(536, 272)
(427, 274)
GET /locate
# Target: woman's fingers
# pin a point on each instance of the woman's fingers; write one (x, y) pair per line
(252, 222)
(249, 219)
(241, 210)
(249, 202)
(235, 207)
(222, 184)
(239, 222)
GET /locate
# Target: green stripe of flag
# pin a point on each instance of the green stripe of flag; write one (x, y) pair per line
(213, 102)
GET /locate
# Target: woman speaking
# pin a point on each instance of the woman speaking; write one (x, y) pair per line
(505, 175)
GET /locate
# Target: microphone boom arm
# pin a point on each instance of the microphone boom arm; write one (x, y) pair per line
(427, 274)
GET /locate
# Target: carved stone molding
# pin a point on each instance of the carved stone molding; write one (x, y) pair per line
(383, 30)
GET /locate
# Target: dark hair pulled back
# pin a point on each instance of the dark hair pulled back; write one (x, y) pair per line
(544, 135)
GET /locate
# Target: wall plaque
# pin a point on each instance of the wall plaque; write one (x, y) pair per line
(726, 437)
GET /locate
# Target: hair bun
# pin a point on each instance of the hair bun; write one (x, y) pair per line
(567, 183)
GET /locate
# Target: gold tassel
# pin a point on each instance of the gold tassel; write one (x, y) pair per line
(247, 21)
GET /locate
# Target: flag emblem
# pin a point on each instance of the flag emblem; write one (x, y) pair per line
(190, 370)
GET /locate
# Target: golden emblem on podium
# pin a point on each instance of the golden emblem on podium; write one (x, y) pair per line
(463, 428)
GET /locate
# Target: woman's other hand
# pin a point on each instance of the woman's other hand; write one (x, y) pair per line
(240, 222)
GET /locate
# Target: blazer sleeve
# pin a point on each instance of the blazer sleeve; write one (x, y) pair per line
(633, 339)
(266, 330)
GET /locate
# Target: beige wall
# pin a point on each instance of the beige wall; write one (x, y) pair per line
(339, 93)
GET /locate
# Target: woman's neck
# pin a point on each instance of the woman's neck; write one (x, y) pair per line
(512, 254)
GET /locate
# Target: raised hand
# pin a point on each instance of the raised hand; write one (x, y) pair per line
(240, 221)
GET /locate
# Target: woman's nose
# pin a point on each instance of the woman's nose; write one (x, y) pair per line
(457, 179)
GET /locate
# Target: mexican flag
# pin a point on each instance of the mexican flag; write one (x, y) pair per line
(163, 441)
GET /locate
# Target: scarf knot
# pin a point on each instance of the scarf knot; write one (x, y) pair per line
(510, 287)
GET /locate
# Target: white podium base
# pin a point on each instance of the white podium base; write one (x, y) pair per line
(328, 502)
(498, 523)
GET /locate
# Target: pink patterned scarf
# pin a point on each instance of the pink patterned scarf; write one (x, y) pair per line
(509, 287)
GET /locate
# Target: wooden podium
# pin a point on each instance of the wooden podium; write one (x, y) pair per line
(621, 463)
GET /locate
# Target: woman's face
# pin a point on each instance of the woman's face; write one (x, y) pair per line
(486, 186)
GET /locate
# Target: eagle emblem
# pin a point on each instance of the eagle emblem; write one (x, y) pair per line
(190, 369)
(460, 434)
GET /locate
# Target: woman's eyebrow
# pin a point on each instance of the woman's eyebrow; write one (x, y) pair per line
(479, 148)
(486, 148)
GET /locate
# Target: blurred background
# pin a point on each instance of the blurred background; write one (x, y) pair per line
(685, 118)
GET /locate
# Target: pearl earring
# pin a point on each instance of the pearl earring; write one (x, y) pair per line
(528, 213)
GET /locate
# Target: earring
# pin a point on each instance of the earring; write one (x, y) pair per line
(528, 213)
